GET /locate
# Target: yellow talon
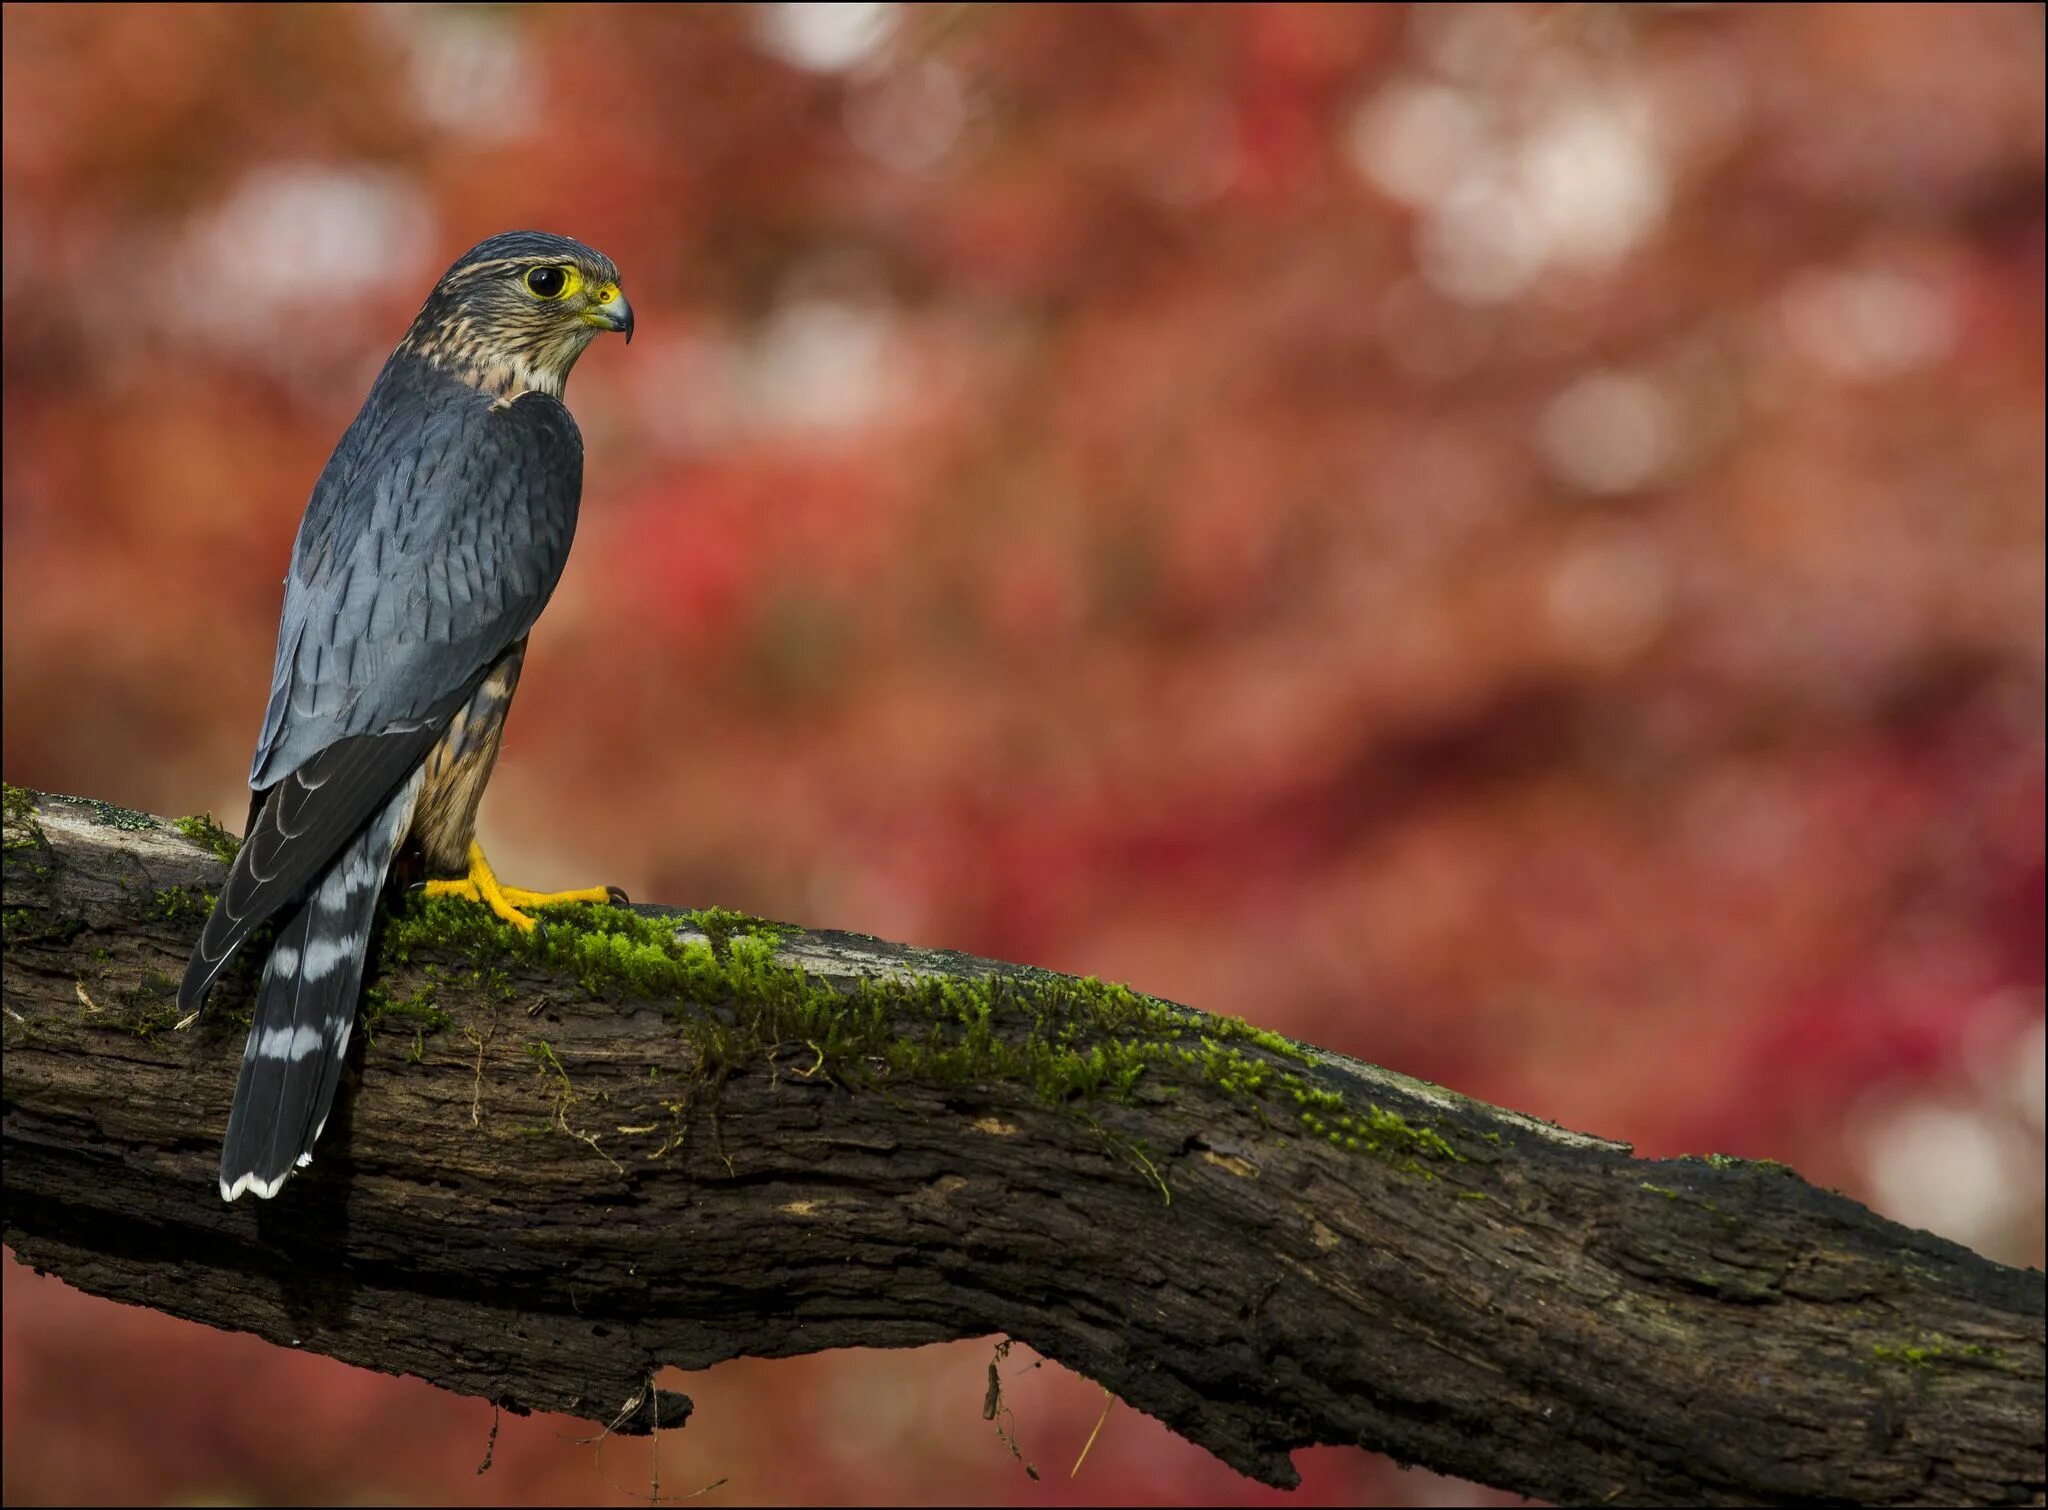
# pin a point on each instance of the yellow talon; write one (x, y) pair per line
(518, 896)
(481, 885)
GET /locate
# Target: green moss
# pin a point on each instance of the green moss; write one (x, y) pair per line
(184, 905)
(146, 1009)
(1933, 1349)
(18, 826)
(1669, 1195)
(23, 925)
(113, 815)
(543, 1054)
(1730, 1161)
(416, 1014)
(495, 980)
(201, 829)
(1073, 1042)
(721, 925)
(1374, 1131)
(1990, 1357)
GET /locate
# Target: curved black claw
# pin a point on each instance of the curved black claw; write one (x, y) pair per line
(619, 897)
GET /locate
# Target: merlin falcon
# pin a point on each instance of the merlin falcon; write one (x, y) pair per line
(432, 542)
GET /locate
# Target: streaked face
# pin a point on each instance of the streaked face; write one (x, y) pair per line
(514, 315)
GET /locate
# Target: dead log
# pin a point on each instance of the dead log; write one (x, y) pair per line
(659, 1137)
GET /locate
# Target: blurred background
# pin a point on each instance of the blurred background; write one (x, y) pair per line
(1507, 541)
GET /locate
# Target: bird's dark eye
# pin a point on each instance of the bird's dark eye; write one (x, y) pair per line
(548, 282)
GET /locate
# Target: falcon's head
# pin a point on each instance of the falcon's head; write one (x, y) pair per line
(514, 312)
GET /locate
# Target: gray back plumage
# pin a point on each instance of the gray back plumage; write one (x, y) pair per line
(435, 536)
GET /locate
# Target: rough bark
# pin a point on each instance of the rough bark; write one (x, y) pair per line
(546, 1199)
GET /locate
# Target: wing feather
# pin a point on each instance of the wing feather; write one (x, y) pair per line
(301, 824)
(435, 496)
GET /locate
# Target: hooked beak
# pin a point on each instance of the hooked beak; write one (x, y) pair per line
(611, 313)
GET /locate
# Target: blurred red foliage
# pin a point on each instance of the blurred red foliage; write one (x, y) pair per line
(1506, 541)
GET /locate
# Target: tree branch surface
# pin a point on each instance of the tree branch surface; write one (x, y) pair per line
(673, 1138)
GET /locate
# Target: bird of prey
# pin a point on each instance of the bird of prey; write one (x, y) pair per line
(432, 541)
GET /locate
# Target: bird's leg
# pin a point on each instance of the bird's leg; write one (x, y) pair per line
(482, 885)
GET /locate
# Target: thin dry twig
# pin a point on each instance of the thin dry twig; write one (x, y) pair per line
(1108, 1400)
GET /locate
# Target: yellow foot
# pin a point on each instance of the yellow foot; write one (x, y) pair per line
(482, 885)
(519, 896)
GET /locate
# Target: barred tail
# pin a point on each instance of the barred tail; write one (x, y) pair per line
(306, 1010)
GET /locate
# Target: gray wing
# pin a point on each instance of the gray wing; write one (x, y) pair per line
(432, 542)
(434, 538)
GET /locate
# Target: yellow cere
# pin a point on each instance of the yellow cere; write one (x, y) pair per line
(593, 311)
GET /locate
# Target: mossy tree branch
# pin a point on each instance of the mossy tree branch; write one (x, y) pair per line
(675, 1138)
